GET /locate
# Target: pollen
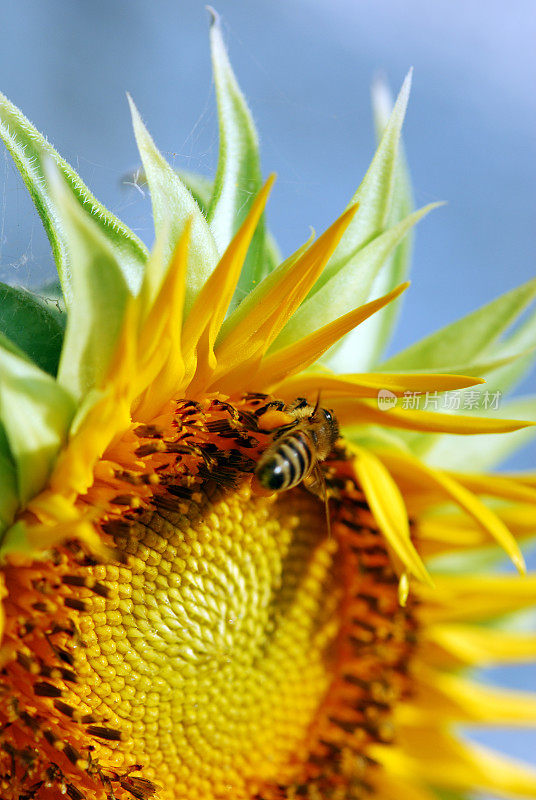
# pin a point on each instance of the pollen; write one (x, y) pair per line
(230, 646)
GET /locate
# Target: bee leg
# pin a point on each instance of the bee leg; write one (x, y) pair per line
(326, 500)
(316, 484)
(300, 404)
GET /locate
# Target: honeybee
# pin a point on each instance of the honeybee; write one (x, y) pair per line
(298, 449)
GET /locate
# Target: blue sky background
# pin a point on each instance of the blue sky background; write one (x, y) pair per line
(306, 68)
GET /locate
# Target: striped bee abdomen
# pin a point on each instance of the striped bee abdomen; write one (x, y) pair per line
(287, 462)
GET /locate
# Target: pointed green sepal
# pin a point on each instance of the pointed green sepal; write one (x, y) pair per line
(30, 151)
(9, 496)
(516, 352)
(35, 325)
(468, 339)
(238, 177)
(35, 413)
(199, 186)
(374, 194)
(375, 333)
(15, 540)
(99, 295)
(173, 202)
(375, 437)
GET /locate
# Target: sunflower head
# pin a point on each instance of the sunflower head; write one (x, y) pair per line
(234, 554)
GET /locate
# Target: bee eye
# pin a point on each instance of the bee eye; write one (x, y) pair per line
(328, 415)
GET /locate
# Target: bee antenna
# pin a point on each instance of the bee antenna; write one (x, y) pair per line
(317, 406)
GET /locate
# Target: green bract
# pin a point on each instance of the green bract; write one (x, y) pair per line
(31, 151)
(36, 323)
(35, 412)
(54, 356)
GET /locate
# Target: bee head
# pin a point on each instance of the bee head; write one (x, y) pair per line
(329, 424)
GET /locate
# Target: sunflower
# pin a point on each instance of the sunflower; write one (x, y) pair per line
(173, 627)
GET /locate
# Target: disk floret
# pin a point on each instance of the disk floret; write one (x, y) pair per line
(214, 588)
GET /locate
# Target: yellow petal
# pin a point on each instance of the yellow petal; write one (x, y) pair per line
(257, 295)
(107, 418)
(525, 477)
(44, 537)
(103, 416)
(503, 775)
(472, 645)
(203, 323)
(431, 755)
(503, 486)
(406, 465)
(445, 533)
(246, 342)
(300, 355)
(391, 787)
(460, 531)
(368, 384)
(439, 694)
(161, 365)
(363, 411)
(387, 506)
(58, 519)
(519, 518)
(462, 598)
(484, 516)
